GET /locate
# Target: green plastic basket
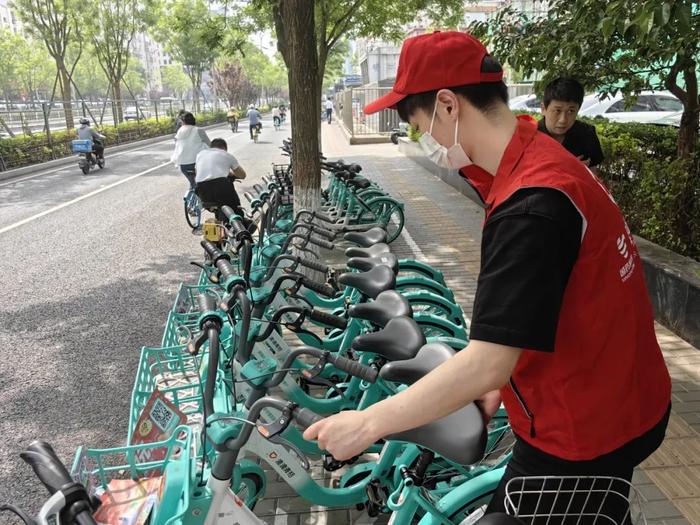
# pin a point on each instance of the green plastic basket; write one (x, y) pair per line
(95, 468)
(176, 374)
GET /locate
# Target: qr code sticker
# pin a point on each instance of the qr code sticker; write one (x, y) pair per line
(161, 415)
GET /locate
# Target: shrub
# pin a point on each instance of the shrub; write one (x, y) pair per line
(24, 150)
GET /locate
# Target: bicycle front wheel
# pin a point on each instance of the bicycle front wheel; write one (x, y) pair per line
(389, 213)
(193, 211)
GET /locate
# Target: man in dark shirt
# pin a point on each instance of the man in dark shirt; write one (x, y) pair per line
(562, 100)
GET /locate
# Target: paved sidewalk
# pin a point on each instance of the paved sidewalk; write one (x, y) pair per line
(444, 229)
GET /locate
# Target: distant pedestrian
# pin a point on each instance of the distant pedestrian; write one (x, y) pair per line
(329, 110)
(560, 106)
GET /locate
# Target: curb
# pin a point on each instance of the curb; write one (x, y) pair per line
(64, 161)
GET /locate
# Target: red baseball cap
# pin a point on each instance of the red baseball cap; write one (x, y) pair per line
(434, 61)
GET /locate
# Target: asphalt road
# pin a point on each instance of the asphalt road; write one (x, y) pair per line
(89, 267)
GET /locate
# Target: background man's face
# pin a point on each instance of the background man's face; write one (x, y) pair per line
(560, 116)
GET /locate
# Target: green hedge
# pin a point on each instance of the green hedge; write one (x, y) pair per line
(24, 150)
(658, 194)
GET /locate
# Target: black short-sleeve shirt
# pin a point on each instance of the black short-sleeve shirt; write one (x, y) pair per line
(529, 246)
(580, 140)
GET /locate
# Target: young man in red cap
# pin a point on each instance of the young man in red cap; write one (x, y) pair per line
(562, 329)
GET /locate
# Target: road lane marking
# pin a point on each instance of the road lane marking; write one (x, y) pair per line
(78, 199)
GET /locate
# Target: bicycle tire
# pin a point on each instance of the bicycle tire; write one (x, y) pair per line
(193, 220)
(85, 169)
(435, 308)
(389, 213)
(252, 484)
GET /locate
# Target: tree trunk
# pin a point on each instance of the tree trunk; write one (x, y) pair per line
(118, 105)
(688, 131)
(302, 66)
(64, 81)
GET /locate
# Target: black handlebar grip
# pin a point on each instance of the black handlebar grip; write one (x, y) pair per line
(313, 265)
(206, 302)
(305, 417)
(321, 242)
(354, 368)
(249, 196)
(323, 232)
(226, 269)
(328, 319)
(355, 168)
(46, 465)
(325, 290)
(228, 212)
(211, 250)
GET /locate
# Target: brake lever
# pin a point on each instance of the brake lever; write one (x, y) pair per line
(271, 431)
(213, 278)
(194, 346)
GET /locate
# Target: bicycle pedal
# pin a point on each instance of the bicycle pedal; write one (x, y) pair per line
(376, 498)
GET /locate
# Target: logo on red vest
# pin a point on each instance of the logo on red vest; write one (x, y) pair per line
(623, 249)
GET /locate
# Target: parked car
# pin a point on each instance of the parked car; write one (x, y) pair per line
(130, 113)
(648, 107)
(674, 119)
(529, 102)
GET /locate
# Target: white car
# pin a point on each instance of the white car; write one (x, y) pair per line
(525, 103)
(648, 107)
(674, 119)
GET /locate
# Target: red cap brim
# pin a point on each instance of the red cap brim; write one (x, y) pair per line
(388, 101)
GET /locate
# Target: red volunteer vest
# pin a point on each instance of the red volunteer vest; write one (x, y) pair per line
(606, 382)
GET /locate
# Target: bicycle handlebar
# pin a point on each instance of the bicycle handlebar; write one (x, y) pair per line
(48, 468)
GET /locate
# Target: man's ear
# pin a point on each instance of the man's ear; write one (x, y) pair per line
(448, 104)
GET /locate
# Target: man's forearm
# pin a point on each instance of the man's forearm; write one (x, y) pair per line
(479, 368)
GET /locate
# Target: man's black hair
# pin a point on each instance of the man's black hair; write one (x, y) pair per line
(563, 89)
(484, 96)
(188, 118)
(219, 143)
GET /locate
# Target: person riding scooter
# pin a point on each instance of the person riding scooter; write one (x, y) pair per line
(85, 132)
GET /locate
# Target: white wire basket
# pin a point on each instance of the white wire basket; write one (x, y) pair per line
(574, 500)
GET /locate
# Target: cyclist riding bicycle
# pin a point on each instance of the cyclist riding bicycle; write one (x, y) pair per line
(254, 120)
(85, 132)
(189, 141)
(563, 329)
(232, 118)
(217, 170)
(276, 117)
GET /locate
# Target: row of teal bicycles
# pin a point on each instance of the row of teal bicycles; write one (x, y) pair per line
(269, 340)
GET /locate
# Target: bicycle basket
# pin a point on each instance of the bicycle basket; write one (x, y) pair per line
(175, 373)
(574, 500)
(95, 468)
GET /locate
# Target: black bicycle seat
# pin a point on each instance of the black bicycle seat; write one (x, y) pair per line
(400, 339)
(365, 264)
(370, 283)
(384, 308)
(367, 238)
(360, 184)
(372, 251)
(459, 437)
(428, 358)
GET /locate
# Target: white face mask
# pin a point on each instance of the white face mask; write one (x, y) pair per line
(452, 158)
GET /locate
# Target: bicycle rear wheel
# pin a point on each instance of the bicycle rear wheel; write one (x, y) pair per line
(388, 212)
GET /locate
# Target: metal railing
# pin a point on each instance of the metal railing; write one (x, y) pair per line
(35, 133)
(351, 113)
(36, 117)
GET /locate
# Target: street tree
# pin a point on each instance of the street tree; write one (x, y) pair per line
(609, 45)
(114, 24)
(193, 35)
(8, 63)
(175, 80)
(296, 33)
(57, 23)
(35, 71)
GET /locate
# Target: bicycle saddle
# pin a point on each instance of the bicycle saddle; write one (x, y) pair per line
(364, 264)
(367, 238)
(359, 184)
(372, 251)
(383, 309)
(429, 357)
(370, 283)
(400, 339)
(459, 437)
